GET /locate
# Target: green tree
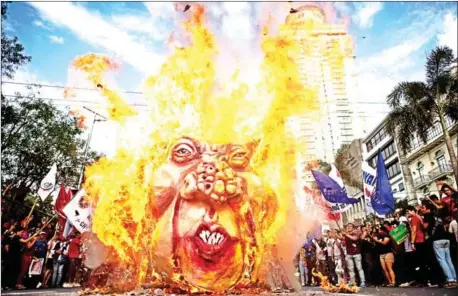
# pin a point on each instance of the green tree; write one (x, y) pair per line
(34, 135)
(13, 55)
(416, 106)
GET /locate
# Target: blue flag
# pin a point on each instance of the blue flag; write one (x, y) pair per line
(382, 197)
(332, 191)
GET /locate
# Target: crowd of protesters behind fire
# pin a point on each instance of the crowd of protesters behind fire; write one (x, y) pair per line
(34, 255)
(367, 255)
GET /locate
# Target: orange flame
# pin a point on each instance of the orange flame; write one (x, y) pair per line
(186, 98)
(328, 287)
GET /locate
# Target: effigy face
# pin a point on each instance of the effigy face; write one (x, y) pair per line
(213, 211)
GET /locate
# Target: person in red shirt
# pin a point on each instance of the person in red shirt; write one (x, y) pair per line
(417, 237)
(73, 254)
(450, 200)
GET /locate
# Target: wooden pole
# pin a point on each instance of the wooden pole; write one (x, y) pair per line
(33, 207)
(7, 189)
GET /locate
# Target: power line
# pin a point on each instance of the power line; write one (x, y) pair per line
(69, 101)
(64, 87)
(80, 103)
(141, 93)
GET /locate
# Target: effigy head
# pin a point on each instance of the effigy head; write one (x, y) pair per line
(214, 210)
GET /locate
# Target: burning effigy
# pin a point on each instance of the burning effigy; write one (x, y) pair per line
(199, 195)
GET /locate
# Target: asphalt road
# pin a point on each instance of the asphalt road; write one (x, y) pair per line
(306, 292)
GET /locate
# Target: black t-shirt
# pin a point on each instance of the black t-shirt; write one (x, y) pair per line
(429, 218)
(383, 249)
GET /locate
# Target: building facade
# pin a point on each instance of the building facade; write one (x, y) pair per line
(380, 140)
(429, 162)
(326, 65)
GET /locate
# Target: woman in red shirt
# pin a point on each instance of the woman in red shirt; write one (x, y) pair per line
(450, 200)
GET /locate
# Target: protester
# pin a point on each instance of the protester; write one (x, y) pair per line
(12, 258)
(441, 244)
(26, 259)
(354, 257)
(49, 263)
(60, 253)
(383, 241)
(73, 254)
(320, 246)
(453, 229)
(417, 239)
(303, 267)
(450, 200)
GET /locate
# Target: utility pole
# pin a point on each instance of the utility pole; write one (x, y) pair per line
(88, 142)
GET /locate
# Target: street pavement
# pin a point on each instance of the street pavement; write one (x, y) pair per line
(315, 291)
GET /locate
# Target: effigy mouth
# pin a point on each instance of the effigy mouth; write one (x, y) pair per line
(211, 240)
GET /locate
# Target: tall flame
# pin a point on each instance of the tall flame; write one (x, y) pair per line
(187, 98)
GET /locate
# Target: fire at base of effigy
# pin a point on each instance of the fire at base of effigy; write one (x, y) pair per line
(199, 198)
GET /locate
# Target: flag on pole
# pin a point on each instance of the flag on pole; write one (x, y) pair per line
(68, 226)
(62, 199)
(338, 207)
(382, 197)
(331, 190)
(48, 183)
(369, 178)
(79, 212)
(315, 196)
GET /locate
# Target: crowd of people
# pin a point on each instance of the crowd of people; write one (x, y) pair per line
(368, 255)
(35, 257)
(363, 255)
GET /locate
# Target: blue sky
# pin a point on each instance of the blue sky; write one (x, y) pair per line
(391, 38)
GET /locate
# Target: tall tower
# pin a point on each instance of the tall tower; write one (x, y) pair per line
(326, 64)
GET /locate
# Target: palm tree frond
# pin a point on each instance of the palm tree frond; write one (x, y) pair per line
(409, 93)
(437, 63)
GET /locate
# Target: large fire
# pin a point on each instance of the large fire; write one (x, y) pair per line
(201, 197)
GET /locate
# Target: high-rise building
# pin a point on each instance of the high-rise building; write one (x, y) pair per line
(326, 65)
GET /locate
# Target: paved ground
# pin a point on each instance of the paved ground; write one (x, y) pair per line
(305, 292)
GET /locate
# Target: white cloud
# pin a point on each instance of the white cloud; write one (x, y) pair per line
(396, 57)
(365, 13)
(39, 24)
(152, 28)
(448, 35)
(402, 59)
(98, 32)
(56, 39)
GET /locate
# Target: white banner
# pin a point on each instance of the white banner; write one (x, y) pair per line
(48, 183)
(369, 179)
(338, 207)
(79, 212)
